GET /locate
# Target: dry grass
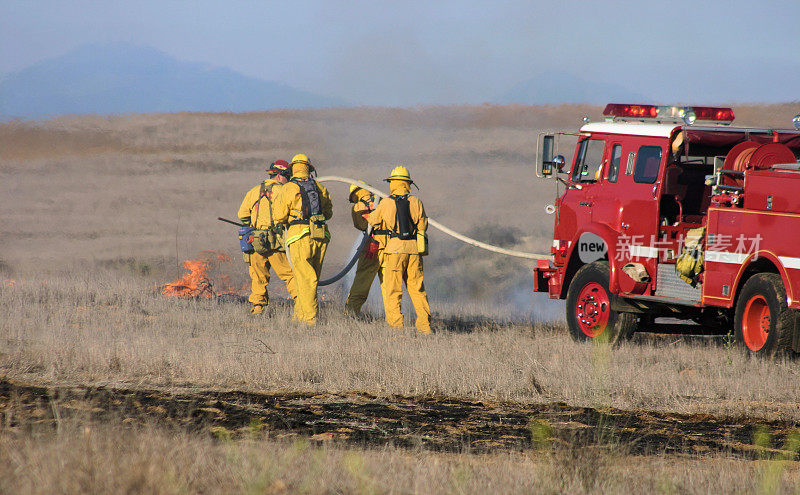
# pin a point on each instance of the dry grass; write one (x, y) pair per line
(115, 329)
(99, 458)
(97, 211)
(25, 141)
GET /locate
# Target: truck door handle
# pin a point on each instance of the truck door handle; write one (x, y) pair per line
(654, 190)
(586, 203)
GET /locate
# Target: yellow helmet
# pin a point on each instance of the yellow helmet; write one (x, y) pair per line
(354, 188)
(300, 158)
(304, 165)
(399, 173)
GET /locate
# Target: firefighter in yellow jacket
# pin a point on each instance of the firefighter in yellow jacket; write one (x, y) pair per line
(403, 218)
(368, 263)
(304, 206)
(256, 211)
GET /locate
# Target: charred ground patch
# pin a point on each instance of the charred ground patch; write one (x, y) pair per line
(429, 423)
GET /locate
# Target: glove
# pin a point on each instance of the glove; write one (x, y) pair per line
(371, 251)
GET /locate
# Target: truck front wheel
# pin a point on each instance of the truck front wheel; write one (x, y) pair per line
(763, 322)
(589, 313)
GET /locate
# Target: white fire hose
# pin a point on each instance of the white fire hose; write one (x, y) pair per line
(432, 222)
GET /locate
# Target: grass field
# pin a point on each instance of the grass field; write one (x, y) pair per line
(153, 460)
(99, 212)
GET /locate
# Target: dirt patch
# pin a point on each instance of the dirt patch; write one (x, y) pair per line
(430, 423)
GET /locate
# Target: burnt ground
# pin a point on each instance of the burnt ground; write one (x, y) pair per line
(360, 419)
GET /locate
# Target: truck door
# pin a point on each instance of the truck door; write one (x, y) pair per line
(606, 204)
(575, 205)
(586, 172)
(637, 191)
(578, 204)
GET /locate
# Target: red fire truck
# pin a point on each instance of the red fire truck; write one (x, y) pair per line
(675, 212)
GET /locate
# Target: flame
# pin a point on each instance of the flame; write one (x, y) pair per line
(196, 281)
(10, 282)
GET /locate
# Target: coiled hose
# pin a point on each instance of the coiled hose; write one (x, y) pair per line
(432, 222)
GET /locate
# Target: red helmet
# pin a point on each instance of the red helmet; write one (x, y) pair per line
(279, 167)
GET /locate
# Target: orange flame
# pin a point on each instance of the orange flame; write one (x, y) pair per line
(196, 281)
(10, 282)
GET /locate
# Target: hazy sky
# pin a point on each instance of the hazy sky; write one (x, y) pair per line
(405, 52)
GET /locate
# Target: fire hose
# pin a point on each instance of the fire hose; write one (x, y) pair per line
(432, 222)
(366, 235)
(349, 266)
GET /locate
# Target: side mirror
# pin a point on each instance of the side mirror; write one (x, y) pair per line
(547, 155)
(559, 161)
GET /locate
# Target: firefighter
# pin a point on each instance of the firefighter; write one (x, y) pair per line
(368, 264)
(256, 211)
(304, 206)
(403, 218)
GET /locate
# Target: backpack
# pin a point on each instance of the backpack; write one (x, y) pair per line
(310, 196)
(311, 209)
(404, 227)
(264, 192)
(266, 241)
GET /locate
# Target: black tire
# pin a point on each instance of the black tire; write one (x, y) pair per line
(762, 297)
(590, 281)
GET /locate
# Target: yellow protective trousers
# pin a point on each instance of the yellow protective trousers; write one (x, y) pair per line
(365, 274)
(259, 275)
(399, 268)
(307, 255)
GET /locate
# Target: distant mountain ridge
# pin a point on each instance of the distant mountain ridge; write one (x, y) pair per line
(126, 78)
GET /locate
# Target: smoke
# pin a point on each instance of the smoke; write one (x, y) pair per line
(461, 279)
(392, 69)
(537, 306)
(464, 275)
(374, 304)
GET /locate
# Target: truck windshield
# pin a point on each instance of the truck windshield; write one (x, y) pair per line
(589, 160)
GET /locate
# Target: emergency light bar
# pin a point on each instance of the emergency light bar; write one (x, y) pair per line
(689, 115)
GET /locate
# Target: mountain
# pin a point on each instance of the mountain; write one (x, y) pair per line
(125, 78)
(561, 87)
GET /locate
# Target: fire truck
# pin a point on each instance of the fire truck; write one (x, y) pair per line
(674, 212)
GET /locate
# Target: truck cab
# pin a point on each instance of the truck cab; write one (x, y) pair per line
(648, 196)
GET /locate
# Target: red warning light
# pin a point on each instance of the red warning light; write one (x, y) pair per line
(714, 113)
(623, 110)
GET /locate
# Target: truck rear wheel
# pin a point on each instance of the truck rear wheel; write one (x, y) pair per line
(589, 312)
(763, 323)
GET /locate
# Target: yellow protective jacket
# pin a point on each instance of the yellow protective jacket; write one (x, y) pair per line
(363, 206)
(384, 217)
(251, 205)
(288, 207)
